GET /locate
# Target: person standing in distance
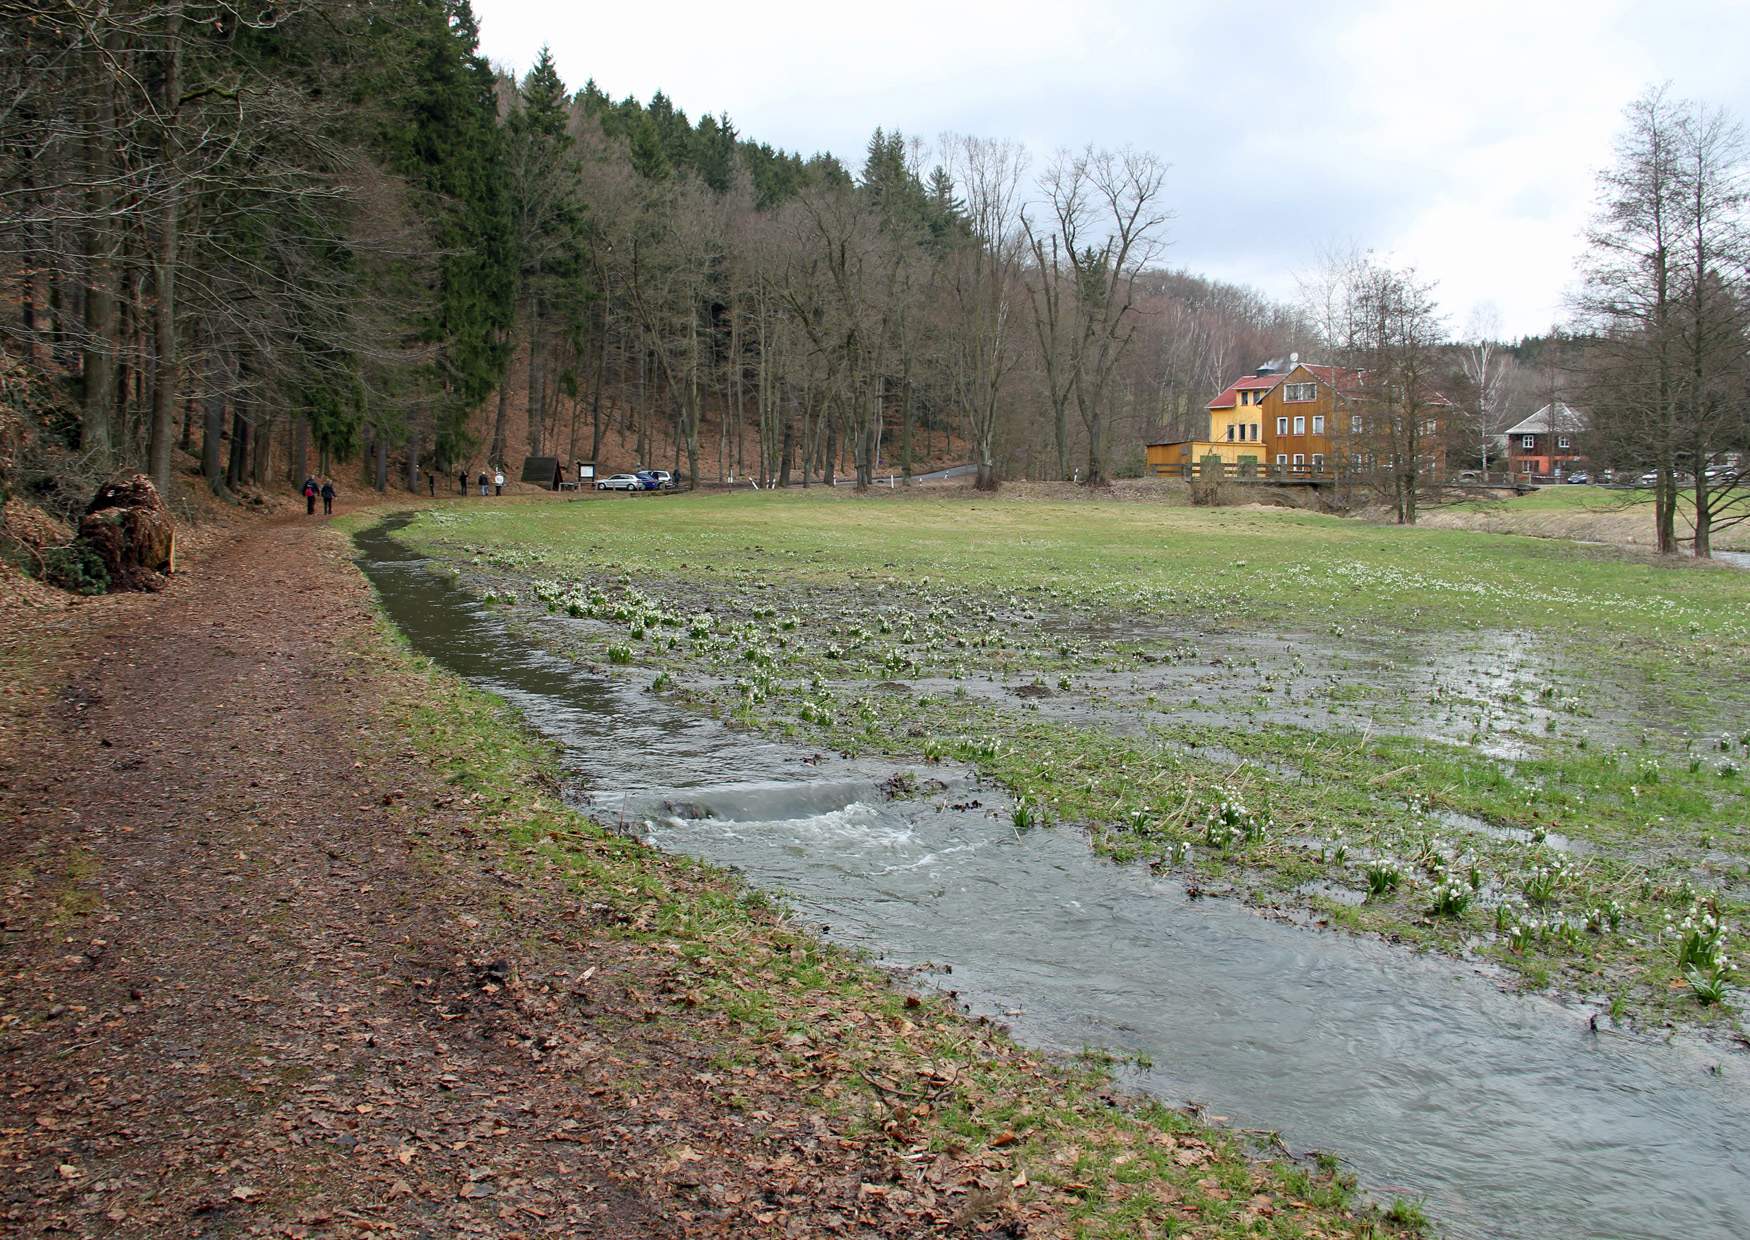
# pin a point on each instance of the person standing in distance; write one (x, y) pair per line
(328, 497)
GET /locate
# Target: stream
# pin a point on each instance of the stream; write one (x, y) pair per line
(1505, 1113)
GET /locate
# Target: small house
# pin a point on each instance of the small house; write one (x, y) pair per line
(1548, 445)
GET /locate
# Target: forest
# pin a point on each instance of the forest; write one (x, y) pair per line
(331, 231)
(325, 233)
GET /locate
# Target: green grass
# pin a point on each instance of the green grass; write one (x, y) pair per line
(1255, 567)
(1316, 680)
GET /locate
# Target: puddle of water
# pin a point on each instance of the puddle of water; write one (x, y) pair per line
(1505, 1112)
(1518, 835)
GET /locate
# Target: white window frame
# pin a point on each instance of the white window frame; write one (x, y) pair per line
(1282, 426)
(1282, 458)
(1318, 423)
(1300, 458)
(1355, 424)
(1318, 460)
(1230, 432)
(1562, 441)
(1298, 393)
(1528, 442)
(1300, 424)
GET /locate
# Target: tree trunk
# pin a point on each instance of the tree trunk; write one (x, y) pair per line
(537, 382)
(380, 474)
(1704, 517)
(165, 379)
(212, 431)
(261, 441)
(1096, 450)
(98, 428)
(299, 466)
(239, 460)
(503, 417)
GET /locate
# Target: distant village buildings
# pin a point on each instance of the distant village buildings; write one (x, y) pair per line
(1298, 420)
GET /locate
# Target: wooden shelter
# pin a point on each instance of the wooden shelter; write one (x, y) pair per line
(543, 471)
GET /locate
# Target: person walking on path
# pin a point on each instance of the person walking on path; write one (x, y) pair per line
(309, 496)
(462, 483)
(483, 482)
(498, 482)
(431, 482)
(328, 497)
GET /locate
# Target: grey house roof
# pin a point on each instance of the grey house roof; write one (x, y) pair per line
(1569, 421)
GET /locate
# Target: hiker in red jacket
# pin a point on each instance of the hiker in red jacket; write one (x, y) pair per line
(309, 496)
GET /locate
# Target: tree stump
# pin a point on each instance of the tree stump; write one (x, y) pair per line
(130, 529)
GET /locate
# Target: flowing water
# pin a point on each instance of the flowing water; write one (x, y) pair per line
(1506, 1113)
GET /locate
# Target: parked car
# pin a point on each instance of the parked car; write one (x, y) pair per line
(1650, 478)
(620, 482)
(655, 479)
(1580, 475)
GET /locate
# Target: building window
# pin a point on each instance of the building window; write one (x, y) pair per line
(1230, 432)
(1528, 442)
(1355, 423)
(1282, 426)
(1300, 424)
(1282, 458)
(1562, 442)
(1300, 392)
(1318, 460)
(1355, 460)
(1300, 458)
(1318, 423)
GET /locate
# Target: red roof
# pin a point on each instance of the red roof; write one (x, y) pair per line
(1225, 400)
(1330, 375)
(1245, 383)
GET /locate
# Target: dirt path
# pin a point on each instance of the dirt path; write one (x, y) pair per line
(256, 980)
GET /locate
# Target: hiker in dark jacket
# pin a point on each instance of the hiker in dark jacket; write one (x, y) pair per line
(328, 497)
(462, 482)
(309, 495)
(431, 483)
(484, 483)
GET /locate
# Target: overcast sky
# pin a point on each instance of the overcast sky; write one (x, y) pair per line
(1462, 140)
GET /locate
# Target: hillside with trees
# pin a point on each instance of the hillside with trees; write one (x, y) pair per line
(332, 233)
(331, 236)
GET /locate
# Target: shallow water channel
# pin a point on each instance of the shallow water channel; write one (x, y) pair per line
(1505, 1113)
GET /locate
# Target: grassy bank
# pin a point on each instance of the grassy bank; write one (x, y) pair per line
(952, 1104)
(1505, 748)
(1623, 516)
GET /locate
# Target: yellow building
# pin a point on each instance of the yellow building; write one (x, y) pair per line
(1236, 430)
